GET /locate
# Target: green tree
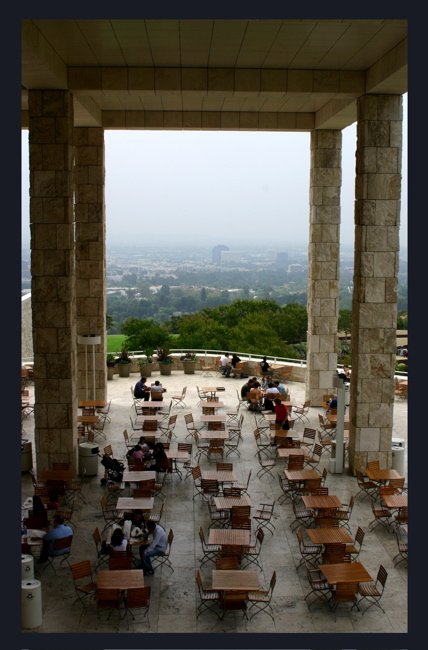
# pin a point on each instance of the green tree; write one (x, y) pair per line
(144, 334)
(109, 322)
(345, 322)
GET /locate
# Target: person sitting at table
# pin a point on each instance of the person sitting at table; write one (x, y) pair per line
(138, 452)
(38, 506)
(270, 394)
(246, 388)
(234, 361)
(158, 453)
(58, 532)
(142, 441)
(157, 389)
(141, 390)
(333, 405)
(157, 546)
(138, 520)
(255, 397)
(118, 542)
(281, 388)
(225, 364)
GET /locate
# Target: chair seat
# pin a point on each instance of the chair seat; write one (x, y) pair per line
(87, 589)
(210, 594)
(368, 589)
(350, 548)
(259, 596)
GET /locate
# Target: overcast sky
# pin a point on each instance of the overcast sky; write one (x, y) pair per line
(216, 187)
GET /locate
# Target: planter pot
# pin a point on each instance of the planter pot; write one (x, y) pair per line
(165, 368)
(110, 372)
(146, 371)
(124, 369)
(189, 367)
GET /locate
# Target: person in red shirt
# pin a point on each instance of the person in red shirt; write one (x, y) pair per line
(281, 414)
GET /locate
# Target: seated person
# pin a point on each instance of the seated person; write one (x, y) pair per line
(157, 546)
(158, 453)
(281, 415)
(141, 390)
(234, 362)
(333, 405)
(270, 394)
(246, 388)
(157, 391)
(266, 382)
(58, 532)
(53, 503)
(142, 442)
(225, 364)
(138, 520)
(138, 452)
(255, 396)
(281, 388)
(118, 541)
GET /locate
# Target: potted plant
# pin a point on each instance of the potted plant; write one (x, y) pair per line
(111, 362)
(146, 363)
(189, 363)
(165, 361)
(124, 362)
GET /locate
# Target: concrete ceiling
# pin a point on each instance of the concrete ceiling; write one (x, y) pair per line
(288, 75)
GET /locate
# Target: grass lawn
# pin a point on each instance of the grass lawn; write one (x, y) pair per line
(114, 342)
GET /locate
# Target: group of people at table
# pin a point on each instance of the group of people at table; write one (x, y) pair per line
(267, 396)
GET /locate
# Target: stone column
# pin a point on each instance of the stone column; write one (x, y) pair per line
(374, 306)
(90, 256)
(323, 281)
(53, 281)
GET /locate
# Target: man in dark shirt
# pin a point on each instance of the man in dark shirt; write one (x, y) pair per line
(141, 388)
(246, 388)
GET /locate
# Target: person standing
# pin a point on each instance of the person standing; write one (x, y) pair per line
(281, 415)
(235, 360)
(264, 365)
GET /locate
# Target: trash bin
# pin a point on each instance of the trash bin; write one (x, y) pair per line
(398, 457)
(27, 567)
(31, 603)
(26, 455)
(88, 458)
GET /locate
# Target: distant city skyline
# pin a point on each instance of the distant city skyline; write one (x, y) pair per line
(211, 188)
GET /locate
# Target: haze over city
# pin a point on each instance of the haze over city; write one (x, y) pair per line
(215, 187)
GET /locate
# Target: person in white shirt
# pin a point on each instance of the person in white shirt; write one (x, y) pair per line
(157, 546)
(226, 364)
(270, 394)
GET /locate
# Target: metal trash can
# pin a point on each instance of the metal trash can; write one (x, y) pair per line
(398, 458)
(26, 455)
(31, 603)
(27, 567)
(88, 458)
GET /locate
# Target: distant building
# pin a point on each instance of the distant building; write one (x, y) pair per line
(296, 268)
(216, 253)
(282, 259)
(229, 256)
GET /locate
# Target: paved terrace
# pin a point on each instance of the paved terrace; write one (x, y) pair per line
(174, 596)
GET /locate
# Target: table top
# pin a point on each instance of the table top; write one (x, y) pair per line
(320, 502)
(231, 536)
(211, 405)
(122, 579)
(222, 476)
(329, 535)
(135, 477)
(346, 572)
(382, 474)
(301, 474)
(177, 454)
(213, 418)
(235, 580)
(98, 403)
(286, 452)
(88, 419)
(140, 419)
(226, 503)
(395, 500)
(214, 435)
(135, 503)
(56, 475)
(151, 404)
(210, 389)
(34, 537)
(332, 417)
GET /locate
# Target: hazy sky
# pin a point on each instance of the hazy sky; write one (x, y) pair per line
(216, 187)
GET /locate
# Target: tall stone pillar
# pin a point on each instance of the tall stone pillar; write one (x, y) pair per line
(52, 271)
(90, 257)
(323, 281)
(374, 306)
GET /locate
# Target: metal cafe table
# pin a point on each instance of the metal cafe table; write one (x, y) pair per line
(346, 572)
(229, 536)
(318, 502)
(135, 503)
(130, 476)
(328, 536)
(235, 580)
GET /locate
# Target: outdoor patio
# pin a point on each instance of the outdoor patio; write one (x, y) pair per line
(174, 595)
